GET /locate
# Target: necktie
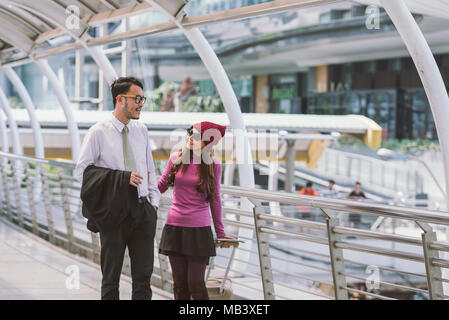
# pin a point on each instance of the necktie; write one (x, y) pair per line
(128, 156)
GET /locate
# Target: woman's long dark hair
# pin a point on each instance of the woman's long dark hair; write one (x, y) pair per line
(206, 183)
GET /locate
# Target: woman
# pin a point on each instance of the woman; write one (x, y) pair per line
(187, 237)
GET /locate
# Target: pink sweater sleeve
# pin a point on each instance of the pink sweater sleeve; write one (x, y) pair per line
(163, 181)
(215, 205)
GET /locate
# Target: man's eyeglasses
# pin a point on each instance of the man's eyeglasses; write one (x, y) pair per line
(196, 135)
(138, 98)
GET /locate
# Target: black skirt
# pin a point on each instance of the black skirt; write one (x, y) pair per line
(193, 242)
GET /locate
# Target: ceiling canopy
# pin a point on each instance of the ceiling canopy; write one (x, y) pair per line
(27, 27)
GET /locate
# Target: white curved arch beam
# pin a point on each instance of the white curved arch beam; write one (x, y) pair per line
(29, 25)
(224, 88)
(65, 104)
(61, 95)
(29, 105)
(16, 144)
(432, 81)
(231, 105)
(223, 84)
(14, 36)
(230, 102)
(57, 15)
(52, 12)
(243, 150)
(428, 71)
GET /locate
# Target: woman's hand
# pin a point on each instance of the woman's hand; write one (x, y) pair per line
(225, 244)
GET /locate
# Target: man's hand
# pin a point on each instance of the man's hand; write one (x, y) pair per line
(135, 179)
(155, 208)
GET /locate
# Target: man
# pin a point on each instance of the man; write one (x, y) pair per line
(121, 144)
(357, 194)
(331, 185)
(185, 90)
(331, 192)
(308, 190)
(167, 103)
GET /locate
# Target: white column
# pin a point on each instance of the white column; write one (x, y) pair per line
(102, 85)
(431, 78)
(228, 176)
(289, 181)
(273, 175)
(29, 105)
(65, 104)
(126, 53)
(16, 144)
(4, 133)
(79, 66)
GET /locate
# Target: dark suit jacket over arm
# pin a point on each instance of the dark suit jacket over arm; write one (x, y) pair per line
(105, 194)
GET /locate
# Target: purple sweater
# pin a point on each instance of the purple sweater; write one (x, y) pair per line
(189, 207)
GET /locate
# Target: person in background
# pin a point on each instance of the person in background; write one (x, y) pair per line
(308, 190)
(184, 92)
(331, 185)
(167, 103)
(357, 194)
(330, 192)
(187, 237)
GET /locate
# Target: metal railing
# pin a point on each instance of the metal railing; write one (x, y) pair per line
(376, 173)
(283, 257)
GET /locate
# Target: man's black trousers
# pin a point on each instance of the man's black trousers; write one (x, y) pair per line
(137, 233)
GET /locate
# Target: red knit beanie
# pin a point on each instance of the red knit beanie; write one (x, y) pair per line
(209, 136)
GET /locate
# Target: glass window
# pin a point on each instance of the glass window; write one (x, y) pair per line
(379, 105)
(283, 91)
(418, 119)
(325, 17)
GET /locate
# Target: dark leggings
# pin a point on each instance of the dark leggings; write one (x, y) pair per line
(188, 278)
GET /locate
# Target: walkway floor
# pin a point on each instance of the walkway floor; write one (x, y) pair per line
(31, 268)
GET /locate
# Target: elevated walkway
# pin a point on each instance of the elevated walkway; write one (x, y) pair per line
(33, 269)
(286, 254)
(311, 133)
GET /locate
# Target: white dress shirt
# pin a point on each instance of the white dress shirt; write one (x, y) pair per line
(102, 147)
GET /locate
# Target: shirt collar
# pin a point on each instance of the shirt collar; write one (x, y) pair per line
(118, 124)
